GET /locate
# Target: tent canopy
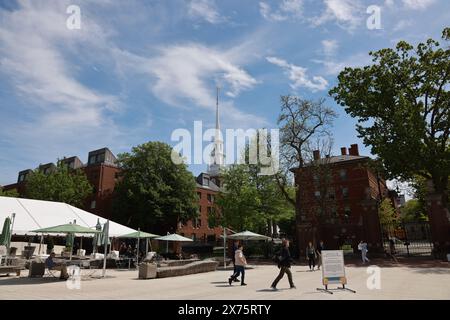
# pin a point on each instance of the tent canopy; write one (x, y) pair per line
(247, 235)
(174, 237)
(37, 214)
(139, 234)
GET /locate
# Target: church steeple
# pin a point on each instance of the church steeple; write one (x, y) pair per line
(217, 156)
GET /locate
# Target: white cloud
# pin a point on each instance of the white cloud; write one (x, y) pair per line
(36, 66)
(183, 71)
(330, 47)
(298, 75)
(418, 4)
(287, 9)
(402, 24)
(206, 10)
(333, 67)
(346, 13)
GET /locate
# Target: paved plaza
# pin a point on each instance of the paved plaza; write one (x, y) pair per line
(403, 281)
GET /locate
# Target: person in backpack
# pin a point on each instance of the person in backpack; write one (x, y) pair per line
(311, 256)
(284, 264)
(240, 263)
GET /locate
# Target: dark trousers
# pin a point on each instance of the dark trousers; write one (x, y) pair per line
(239, 270)
(312, 261)
(283, 270)
(234, 267)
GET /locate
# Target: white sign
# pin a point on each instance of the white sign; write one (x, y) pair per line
(333, 269)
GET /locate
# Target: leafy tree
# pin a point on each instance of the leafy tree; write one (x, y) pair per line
(402, 103)
(252, 200)
(387, 213)
(413, 211)
(62, 184)
(153, 192)
(9, 193)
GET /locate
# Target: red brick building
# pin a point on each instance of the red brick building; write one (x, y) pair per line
(338, 201)
(200, 229)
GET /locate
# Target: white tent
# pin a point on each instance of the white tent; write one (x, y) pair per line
(36, 214)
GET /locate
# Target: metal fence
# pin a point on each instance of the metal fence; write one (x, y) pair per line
(408, 239)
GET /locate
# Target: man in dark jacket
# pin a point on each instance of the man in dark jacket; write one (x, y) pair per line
(284, 265)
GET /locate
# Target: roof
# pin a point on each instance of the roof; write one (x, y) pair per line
(37, 214)
(337, 160)
(212, 186)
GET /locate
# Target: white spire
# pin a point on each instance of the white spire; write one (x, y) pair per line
(217, 156)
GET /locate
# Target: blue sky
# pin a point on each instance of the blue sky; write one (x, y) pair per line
(137, 70)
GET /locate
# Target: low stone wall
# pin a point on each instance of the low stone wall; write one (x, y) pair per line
(176, 263)
(191, 268)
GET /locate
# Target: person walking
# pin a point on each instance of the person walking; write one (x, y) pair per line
(284, 264)
(233, 257)
(319, 249)
(362, 246)
(311, 256)
(240, 263)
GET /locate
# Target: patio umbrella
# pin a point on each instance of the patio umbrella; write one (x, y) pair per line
(173, 237)
(96, 239)
(140, 235)
(248, 235)
(69, 228)
(105, 237)
(5, 237)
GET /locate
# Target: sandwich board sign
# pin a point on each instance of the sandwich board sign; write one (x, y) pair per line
(333, 270)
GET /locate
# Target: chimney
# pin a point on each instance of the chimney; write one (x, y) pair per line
(344, 151)
(316, 154)
(353, 151)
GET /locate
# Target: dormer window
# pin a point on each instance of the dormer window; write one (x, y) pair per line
(205, 181)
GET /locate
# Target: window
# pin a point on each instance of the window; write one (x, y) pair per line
(210, 198)
(210, 211)
(345, 192)
(100, 157)
(92, 159)
(199, 194)
(343, 174)
(72, 164)
(194, 237)
(93, 204)
(206, 181)
(198, 222)
(21, 177)
(317, 194)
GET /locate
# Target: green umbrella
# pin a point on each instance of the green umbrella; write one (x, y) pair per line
(103, 234)
(139, 234)
(247, 235)
(173, 237)
(66, 228)
(96, 240)
(5, 237)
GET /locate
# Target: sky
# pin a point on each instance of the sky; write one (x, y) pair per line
(134, 71)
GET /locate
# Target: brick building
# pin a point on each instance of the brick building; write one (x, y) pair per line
(200, 229)
(338, 201)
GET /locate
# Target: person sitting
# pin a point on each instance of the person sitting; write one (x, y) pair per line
(51, 265)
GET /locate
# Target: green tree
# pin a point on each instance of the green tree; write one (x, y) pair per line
(9, 193)
(402, 103)
(153, 192)
(387, 213)
(413, 211)
(62, 184)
